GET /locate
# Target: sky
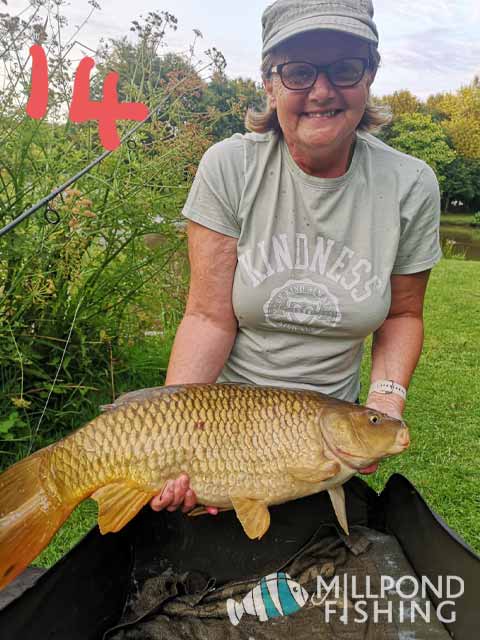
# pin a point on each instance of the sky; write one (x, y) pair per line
(427, 46)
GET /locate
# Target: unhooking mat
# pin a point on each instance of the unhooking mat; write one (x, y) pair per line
(191, 606)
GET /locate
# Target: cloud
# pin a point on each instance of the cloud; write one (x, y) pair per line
(427, 13)
(436, 50)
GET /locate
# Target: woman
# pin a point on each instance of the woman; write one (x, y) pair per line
(309, 234)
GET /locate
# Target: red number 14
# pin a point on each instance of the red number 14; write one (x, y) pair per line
(82, 109)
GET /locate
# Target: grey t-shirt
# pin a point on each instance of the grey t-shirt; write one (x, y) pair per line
(315, 255)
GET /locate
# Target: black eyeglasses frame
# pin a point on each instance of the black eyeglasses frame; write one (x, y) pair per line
(320, 69)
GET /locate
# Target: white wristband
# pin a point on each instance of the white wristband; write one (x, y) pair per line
(387, 387)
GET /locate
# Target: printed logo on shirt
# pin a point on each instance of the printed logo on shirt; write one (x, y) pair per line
(302, 306)
(336, 263)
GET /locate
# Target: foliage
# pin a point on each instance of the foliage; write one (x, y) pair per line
(400, 103)
(462, 122)
(444, 124)
(419, 136)
(228, 100)
(461, 180)
(217, 100)
(74, 294)
(148, 72)
(451, 252)
(457, 219)
(476, 219)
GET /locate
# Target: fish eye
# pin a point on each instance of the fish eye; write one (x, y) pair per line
(374, 419)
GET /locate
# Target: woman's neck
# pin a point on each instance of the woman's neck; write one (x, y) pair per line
(329, 164)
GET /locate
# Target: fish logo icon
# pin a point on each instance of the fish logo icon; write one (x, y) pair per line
(274, 596)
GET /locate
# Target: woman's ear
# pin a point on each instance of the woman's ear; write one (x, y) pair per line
(370, 77)
(268, 86)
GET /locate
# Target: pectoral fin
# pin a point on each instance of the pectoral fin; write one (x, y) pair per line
(337, 496)
(200, 511)
(254, 516)
(197, 511)
(118, 503)
(318, 473)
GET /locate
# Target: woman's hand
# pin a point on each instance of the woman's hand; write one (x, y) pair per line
(392, 405)
(177, 493)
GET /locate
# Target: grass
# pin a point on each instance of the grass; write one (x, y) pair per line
(456, 218)
(443, 411)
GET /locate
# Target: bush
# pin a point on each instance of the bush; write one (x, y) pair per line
(75, 295)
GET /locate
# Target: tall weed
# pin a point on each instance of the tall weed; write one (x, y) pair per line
(78, 295)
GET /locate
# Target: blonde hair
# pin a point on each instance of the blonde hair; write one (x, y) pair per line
(374, 118)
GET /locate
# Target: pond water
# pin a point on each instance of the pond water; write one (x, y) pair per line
(466, 239)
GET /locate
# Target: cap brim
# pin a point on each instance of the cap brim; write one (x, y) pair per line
(326, 23)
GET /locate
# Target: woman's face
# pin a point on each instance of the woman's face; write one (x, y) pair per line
(323, 117)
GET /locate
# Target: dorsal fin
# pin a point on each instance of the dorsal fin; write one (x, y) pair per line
(139, 395)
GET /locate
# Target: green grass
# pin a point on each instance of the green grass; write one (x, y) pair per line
(443, 411)
(456, 218)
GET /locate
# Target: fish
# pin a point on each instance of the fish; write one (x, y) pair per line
(243, 447)
(274, 596)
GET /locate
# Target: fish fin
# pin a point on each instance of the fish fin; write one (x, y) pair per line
(29, 516)
(317, 473)
(200, 511)
(253, 514)
(141, 395)
(118, 503)
(197, 511)
(337, 496)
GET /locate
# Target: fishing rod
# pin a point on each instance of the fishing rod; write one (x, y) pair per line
(59, 190)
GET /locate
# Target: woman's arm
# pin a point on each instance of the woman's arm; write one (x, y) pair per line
(207, 332)
(398, 343)
(205, 336)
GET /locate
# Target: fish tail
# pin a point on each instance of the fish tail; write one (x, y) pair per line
(235, 611)
(29, 516)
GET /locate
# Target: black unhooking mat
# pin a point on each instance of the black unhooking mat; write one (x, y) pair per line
(169, 577)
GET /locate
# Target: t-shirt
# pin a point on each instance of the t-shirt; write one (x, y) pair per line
(315, 255)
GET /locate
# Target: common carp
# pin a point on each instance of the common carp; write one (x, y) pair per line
(243, 447)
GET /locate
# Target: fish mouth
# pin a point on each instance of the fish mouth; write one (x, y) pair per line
(402, 442)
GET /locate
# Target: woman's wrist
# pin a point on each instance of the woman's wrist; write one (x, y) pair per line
(388, 387)
(391, 404)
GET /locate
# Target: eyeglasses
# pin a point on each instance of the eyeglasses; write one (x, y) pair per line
(300, 76)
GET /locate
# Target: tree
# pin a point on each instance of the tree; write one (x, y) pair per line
(435, 106)
(147, 72)
(401, 102)
(419, 136)
(462, 181)
(228, 100)
(463, 122)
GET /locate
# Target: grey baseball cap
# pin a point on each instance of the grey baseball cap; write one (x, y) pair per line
(286, 18)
